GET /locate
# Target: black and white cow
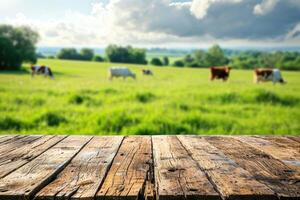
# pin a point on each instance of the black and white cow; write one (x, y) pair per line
(44, 70)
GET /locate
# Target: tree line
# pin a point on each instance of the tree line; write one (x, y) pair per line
(215, 56)
(18, 45)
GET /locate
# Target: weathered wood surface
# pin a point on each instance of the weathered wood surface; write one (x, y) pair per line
(177, 174)
(149, 167)
(297, 139)
(129, 172)
(83, 176)
(16, 142)
(284, 149)
(29, 179)
(6, 137)
(12, 160)
(232, 181)
(282, 179)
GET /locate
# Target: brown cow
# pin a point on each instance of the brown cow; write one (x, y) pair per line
(220, 73)
(46, 71)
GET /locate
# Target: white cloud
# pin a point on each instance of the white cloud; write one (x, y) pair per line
(180, 5)
(294, 33)
(74, 28)
(265, 7)
(199, 8)
(166, 22)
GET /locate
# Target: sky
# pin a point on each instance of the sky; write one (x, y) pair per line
(158, 23)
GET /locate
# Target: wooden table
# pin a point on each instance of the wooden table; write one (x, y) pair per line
(149, 167)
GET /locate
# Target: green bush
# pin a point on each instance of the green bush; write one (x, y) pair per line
(156, 62)
(51, 119)
(268, 97)
(178, 63)
(9, 123)
(116, 122)
(144, 97)
(98, 58)
(225, 98)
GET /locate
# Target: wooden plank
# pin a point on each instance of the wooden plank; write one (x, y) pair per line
(17, 142)
(284, 149)
(232, 181)
(81, 179)
(284, 142)
(12, 160)
(127, 176)
(5, 138)
(295, 138)
(283, 180)
(26, 181)
(177, 175)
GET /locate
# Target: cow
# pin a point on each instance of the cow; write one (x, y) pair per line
(44, 70)
(147, 72)
(120, 72)
(264, 75)
(220, 73)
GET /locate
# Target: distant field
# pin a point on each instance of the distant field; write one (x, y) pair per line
(81, 100)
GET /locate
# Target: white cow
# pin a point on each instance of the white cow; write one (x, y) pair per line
(120, 72)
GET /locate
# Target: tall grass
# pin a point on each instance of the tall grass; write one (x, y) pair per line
(81, 100)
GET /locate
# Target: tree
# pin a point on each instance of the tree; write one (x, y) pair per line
(200, 58)
(86, 54)
(127, 54)
(189, 61)
(17, 46)
(98, 58)
(166, 61)
(68, 54)
(156, 62)
(216, 57)
(178, 63)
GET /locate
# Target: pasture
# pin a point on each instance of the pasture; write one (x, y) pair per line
(81, 100)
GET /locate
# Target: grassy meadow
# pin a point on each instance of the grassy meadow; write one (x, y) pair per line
(81, 100)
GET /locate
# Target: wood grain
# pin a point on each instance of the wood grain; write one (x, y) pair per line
(16, 142)
(12, 160)
(177, 175)
(283, 180)
(283, 142)
(5, 138)
(295, 138)
(284, 149)
(26, 181)
(232, 181)
(149, 168)
(127, 176)
(81, 179)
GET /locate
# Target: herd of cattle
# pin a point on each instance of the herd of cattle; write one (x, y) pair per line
(260, 75)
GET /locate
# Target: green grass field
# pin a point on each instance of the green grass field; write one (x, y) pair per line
(81, 100)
